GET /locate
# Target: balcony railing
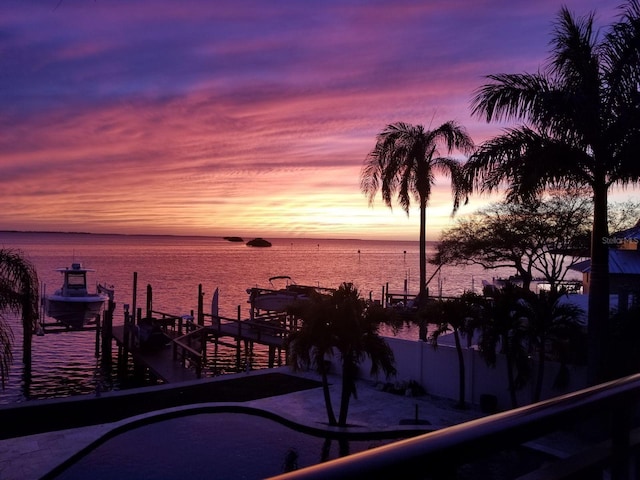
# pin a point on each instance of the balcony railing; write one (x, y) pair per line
(604, 415)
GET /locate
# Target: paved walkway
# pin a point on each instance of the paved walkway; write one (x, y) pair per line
(31, 457)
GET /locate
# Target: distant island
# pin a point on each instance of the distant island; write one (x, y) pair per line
(233, 239)
(258, 242)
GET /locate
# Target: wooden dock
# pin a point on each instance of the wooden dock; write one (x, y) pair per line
(174, 348)
(259, 331)
(159, 362)
(184, 356)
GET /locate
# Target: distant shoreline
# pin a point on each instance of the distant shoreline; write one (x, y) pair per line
(221, 237)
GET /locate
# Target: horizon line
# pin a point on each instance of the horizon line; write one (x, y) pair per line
(61, 232)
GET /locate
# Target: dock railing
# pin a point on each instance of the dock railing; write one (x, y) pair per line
(189, 338)
(604, 414)
(270, 324)
(183, 349)
(166, 321)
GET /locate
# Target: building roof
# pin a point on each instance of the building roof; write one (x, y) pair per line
(632, 234)
(621, 262)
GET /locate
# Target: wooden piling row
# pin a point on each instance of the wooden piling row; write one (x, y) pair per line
(190, 338)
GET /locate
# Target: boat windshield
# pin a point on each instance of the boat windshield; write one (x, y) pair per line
(76, 280)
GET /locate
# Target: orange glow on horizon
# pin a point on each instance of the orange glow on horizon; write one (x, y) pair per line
(203, 120)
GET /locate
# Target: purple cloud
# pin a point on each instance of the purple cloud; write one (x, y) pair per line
(188, 104)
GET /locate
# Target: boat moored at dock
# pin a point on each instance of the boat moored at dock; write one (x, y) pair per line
(72, 304)
(279, 299)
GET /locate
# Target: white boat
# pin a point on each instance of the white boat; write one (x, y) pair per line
(73, 304)
(279, 299)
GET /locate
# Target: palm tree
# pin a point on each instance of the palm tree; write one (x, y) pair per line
(460, 316)
(505, 325)
(522, 324)
(581, 127)
(18, 294)
(552, 326)
(313, 343)
(345, 324)
(504, 329)
(404, 162)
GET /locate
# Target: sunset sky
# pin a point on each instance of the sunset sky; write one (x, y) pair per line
(248, 118)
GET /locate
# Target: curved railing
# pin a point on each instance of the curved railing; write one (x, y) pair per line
(605, 410)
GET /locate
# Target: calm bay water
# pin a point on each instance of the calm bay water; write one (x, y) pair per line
(65, 364)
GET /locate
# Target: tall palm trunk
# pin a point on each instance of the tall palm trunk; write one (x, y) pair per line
(598, 315)
(510, 370)
(345, 397)
(537, 392)
(423, 294)
(423, 249)
(29, 318)
(461, 369)
(327, 396)
(349, 374)
(28, 323)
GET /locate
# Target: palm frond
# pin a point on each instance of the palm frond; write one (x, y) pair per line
(573, 47)
(620, 54)
(526, 163)
(509, 96)
(19, 293)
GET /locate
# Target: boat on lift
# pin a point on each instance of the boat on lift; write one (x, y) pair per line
(72, 304)
(276, 299)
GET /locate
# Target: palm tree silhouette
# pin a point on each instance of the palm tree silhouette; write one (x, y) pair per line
(581, 127)
(504, 329)
(18, 294)
(344, 324)
(404, 162)
(460, 316)
(552, 325)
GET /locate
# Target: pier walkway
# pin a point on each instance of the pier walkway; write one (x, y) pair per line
(181, 354)
(159, 361)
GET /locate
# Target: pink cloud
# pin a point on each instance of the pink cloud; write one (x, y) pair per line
(201, 118)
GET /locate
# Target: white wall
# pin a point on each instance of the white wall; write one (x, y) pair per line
(436, 370)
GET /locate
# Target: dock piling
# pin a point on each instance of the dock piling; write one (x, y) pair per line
(149, 301)
(98, 333)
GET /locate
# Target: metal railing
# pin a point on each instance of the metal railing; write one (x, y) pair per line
(605, 411)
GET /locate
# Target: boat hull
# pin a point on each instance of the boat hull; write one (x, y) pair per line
(276, 302)
(75, 312)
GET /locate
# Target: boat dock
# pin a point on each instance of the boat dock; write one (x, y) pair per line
(174, 348)
(159, 362)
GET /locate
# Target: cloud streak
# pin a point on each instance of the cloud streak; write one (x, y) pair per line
(251, 118)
